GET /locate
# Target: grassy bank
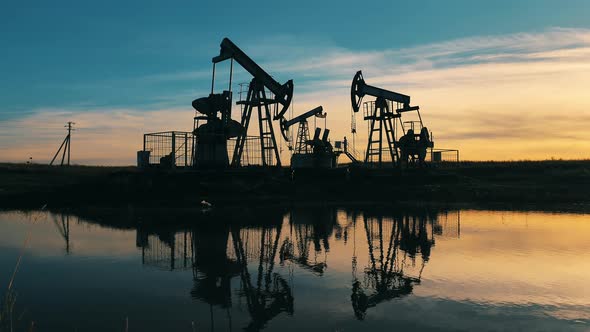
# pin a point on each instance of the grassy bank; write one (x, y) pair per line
(564, 183)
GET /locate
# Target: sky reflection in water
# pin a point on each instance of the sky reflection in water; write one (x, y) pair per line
(313, 268)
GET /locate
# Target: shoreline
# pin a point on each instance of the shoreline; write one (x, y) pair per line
(559, 185)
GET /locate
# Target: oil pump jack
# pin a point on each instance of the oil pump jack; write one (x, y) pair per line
(310, 153)
(381, 115)
(212, 137)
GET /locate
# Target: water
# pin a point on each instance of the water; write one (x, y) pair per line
(323, 269)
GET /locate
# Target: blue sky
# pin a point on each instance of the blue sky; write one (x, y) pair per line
(81, 56)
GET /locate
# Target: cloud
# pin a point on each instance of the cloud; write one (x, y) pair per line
(514, 96)
(327, 62)
(505, 97)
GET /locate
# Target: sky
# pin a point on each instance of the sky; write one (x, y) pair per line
(498, 80)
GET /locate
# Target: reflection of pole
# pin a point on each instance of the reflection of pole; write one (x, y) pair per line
(67, 232)
(63, 227)
(354, 259)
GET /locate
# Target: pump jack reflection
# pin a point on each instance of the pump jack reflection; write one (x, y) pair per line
(399, 246)
(393, 244)
(309, 226)
(226, 252)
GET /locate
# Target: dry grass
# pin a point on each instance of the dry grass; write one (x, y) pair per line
(8, 304)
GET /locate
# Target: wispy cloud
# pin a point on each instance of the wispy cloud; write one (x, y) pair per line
(506, 97)
(327, 63)
(514, 96)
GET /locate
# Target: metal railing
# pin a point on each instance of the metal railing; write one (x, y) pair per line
(172, 147)
(173, 252)
(443, 155)
(251, 156)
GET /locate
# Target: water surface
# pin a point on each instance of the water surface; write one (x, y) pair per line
(329, 269)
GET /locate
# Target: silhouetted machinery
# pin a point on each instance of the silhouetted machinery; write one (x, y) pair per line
(266, 292)
(214, 126)
(213, 270)
(247, 262)
(381, 114)
(270, 98)
(390, 242)
(310, 153)
(311, 226)
(211, 137)
(231, 264)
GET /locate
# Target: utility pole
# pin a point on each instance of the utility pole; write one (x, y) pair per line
(66, 145)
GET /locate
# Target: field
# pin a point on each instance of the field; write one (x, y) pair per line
(554, 183)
